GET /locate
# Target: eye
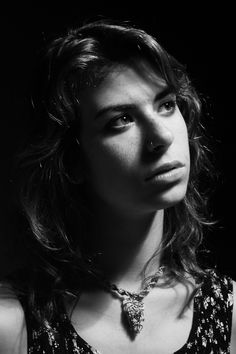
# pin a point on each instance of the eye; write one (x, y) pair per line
(168, 107)
(120, 122)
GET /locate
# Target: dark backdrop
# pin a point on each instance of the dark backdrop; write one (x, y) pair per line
(202, 40)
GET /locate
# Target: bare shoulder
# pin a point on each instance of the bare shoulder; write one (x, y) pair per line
(233, 334)
(13, 336)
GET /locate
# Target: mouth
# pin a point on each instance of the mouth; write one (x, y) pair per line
(165, 169)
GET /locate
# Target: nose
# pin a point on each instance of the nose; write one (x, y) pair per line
(158, 136)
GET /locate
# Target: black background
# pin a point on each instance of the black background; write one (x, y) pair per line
(202, 39)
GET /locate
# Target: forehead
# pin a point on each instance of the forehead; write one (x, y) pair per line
(123, 84)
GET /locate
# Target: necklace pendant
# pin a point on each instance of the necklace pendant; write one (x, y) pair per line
(134, 312)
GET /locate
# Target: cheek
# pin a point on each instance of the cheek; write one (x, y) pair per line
(111, 157)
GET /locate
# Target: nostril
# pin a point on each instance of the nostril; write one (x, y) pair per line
(160, 141)
(152, 146)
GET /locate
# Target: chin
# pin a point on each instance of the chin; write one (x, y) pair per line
(169, 198)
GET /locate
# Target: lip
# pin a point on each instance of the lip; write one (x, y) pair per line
(166, 167)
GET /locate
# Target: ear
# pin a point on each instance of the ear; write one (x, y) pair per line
(76, 174)
(75, 165)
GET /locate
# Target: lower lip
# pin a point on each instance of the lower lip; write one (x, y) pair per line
(167, 177)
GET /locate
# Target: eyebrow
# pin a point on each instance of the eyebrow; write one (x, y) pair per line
(121, 107)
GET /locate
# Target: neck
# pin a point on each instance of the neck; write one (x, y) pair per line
(126, 244)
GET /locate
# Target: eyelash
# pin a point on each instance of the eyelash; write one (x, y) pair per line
(171, 102)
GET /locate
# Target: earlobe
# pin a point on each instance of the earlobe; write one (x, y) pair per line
(76, 175)
(79, 178)
(77, 141)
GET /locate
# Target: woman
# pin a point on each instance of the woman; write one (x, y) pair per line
(110, 190)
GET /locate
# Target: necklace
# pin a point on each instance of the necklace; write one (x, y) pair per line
(132, 303)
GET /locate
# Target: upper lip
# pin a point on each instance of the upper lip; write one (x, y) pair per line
(165, 167)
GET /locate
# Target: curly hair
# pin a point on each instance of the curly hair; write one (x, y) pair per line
(52, 201)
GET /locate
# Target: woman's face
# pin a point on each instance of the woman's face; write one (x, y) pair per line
(134, 143)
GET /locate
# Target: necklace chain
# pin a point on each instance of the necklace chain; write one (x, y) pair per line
(143, 292)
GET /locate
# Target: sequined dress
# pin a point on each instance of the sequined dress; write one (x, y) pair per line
(209, 334)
